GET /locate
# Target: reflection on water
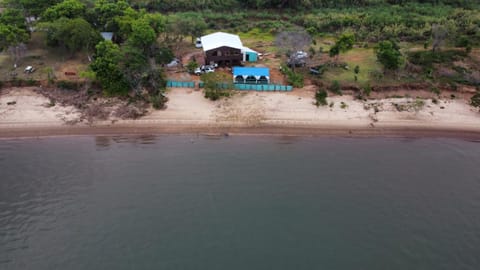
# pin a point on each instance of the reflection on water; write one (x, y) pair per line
(106, 141)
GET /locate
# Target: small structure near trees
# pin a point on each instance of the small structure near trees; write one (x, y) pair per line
(291, 42)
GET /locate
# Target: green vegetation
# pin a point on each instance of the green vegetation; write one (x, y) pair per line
(475, 100)
(388, 53)
(343, 44)
(321, 98)
(191, 66)
(296, 79)
(336, 88)
(216, 85)
(106, 67)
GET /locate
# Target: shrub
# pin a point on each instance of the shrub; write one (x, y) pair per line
(367, 89)
(336, 88)
(31, 82)
(356, 69)
(475, 100)
(67, 85)
(429, 58)
(293, 78)
(158, 101)
(321, 98)
(216, 85)
(191, 66)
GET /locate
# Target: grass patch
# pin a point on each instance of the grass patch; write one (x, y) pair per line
(259, 40)
(364, 58)
(256, 34)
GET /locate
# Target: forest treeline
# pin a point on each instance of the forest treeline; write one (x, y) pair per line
(192, 5)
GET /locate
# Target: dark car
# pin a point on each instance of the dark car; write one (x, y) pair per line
(317, 70)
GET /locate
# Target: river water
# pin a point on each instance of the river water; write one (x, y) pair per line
(193, 202)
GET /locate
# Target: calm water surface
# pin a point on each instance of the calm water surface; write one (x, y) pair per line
(188, 202)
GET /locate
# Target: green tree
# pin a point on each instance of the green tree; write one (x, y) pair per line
(68, 9)
(162, 55)
(334, 51)
(342, 45)
(122, 25)
(157, 21)
(143, 35)
(13, 39)
(105, 12)
(192, 24)
(185, 24)
(11, 36)
(133, 65)
(72, 34)
(388, 54)
(345, 42)
(31, 7)
(13, 18)
(107, 71)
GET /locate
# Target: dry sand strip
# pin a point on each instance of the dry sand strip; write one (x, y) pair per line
(249, 113)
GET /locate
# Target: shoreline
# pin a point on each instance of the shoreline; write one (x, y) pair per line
(390, 131)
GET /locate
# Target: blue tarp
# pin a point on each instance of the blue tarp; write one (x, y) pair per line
(251, 71)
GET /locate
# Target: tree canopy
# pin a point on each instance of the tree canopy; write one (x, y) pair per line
(388, 53)
(73, 34)
(13, 30)
(66, 9)
(106, 67)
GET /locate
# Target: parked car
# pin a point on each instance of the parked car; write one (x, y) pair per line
(298, 59)
(297, 62)
(204, 69)
(301, 54)
(175, 62)
(198, 43)
(29, 69)
(317, 70)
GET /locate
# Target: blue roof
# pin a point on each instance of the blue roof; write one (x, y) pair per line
(251, 71)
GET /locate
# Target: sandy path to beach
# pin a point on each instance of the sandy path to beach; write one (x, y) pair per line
(189, 111)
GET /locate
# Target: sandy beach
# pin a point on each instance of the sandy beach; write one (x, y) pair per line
(26, 113)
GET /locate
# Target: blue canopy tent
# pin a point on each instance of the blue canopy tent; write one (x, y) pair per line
(251, 75)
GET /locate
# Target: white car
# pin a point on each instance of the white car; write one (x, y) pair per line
(175, 62)
(204, 69)
(29, 69)
(198, 43)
